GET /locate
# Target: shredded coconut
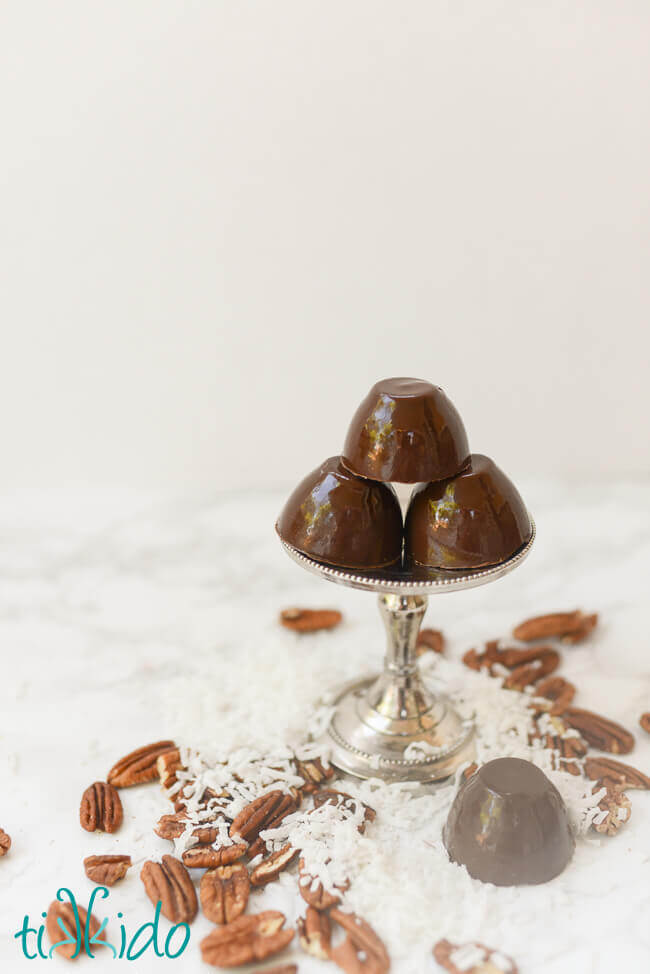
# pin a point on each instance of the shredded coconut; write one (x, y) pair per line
(401, 879)
(406, 835)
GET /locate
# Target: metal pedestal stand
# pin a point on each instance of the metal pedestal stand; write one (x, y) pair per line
(376, 719)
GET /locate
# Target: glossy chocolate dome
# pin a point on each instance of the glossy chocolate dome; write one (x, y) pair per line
(475, 519)
(406, 430)
(508, 825)
(339, 518)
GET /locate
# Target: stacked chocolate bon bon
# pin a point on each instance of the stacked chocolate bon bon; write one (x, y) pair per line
(464, 514)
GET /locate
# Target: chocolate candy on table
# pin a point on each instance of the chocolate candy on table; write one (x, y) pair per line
(406, 430)
(336, 517)
(475, 519)
(508, 825)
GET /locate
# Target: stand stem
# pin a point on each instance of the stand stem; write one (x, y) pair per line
(402, 616)
(399, 696)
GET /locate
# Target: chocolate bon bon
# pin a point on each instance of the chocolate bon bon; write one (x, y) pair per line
(508, 825)
(406, 430)
(341, 519)
(466, 513)
(474, 519)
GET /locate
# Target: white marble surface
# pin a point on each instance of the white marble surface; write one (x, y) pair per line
(127, 617)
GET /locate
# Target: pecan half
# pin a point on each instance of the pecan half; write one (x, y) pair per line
(527, 674)
(169, 882)
(577, 635)
(101, 808)
(5, 843)
(616, 773)
(362, 952)
(61, 926)
(430, 639)
(314, 773)
(472, 958)
(480, 661)
(521, 677)
(167, 764)
(555, 624)
(526, 665)
(173, 826)
(224, 893)
(288, 805)
(271, 867)
(246, 939)
(615, 811)
(314, 893)
(264, 812)
(139, 766)
(557, 691)
(310, 620)
(599, 732)
(547, 658)
(315, 933)
(644, 721)
(569, 746)
(106, 870)
(571, 767)
(341, 799)
(207, 857)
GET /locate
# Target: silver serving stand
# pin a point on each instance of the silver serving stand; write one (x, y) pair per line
(377, 718)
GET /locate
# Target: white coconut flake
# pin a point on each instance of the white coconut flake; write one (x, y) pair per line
(501, 962)
(420, 749)
(467, 957)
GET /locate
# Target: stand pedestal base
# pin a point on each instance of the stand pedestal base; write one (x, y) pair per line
(367, 744)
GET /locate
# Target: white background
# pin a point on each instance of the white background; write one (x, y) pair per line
(222, 221)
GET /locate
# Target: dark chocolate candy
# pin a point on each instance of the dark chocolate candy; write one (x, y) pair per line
(508, 825)
(477, 518)
(406, 430)
(336, 517)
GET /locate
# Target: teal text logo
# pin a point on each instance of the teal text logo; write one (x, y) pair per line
(146, 937)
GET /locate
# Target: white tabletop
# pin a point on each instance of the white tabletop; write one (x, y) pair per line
(128, 617)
